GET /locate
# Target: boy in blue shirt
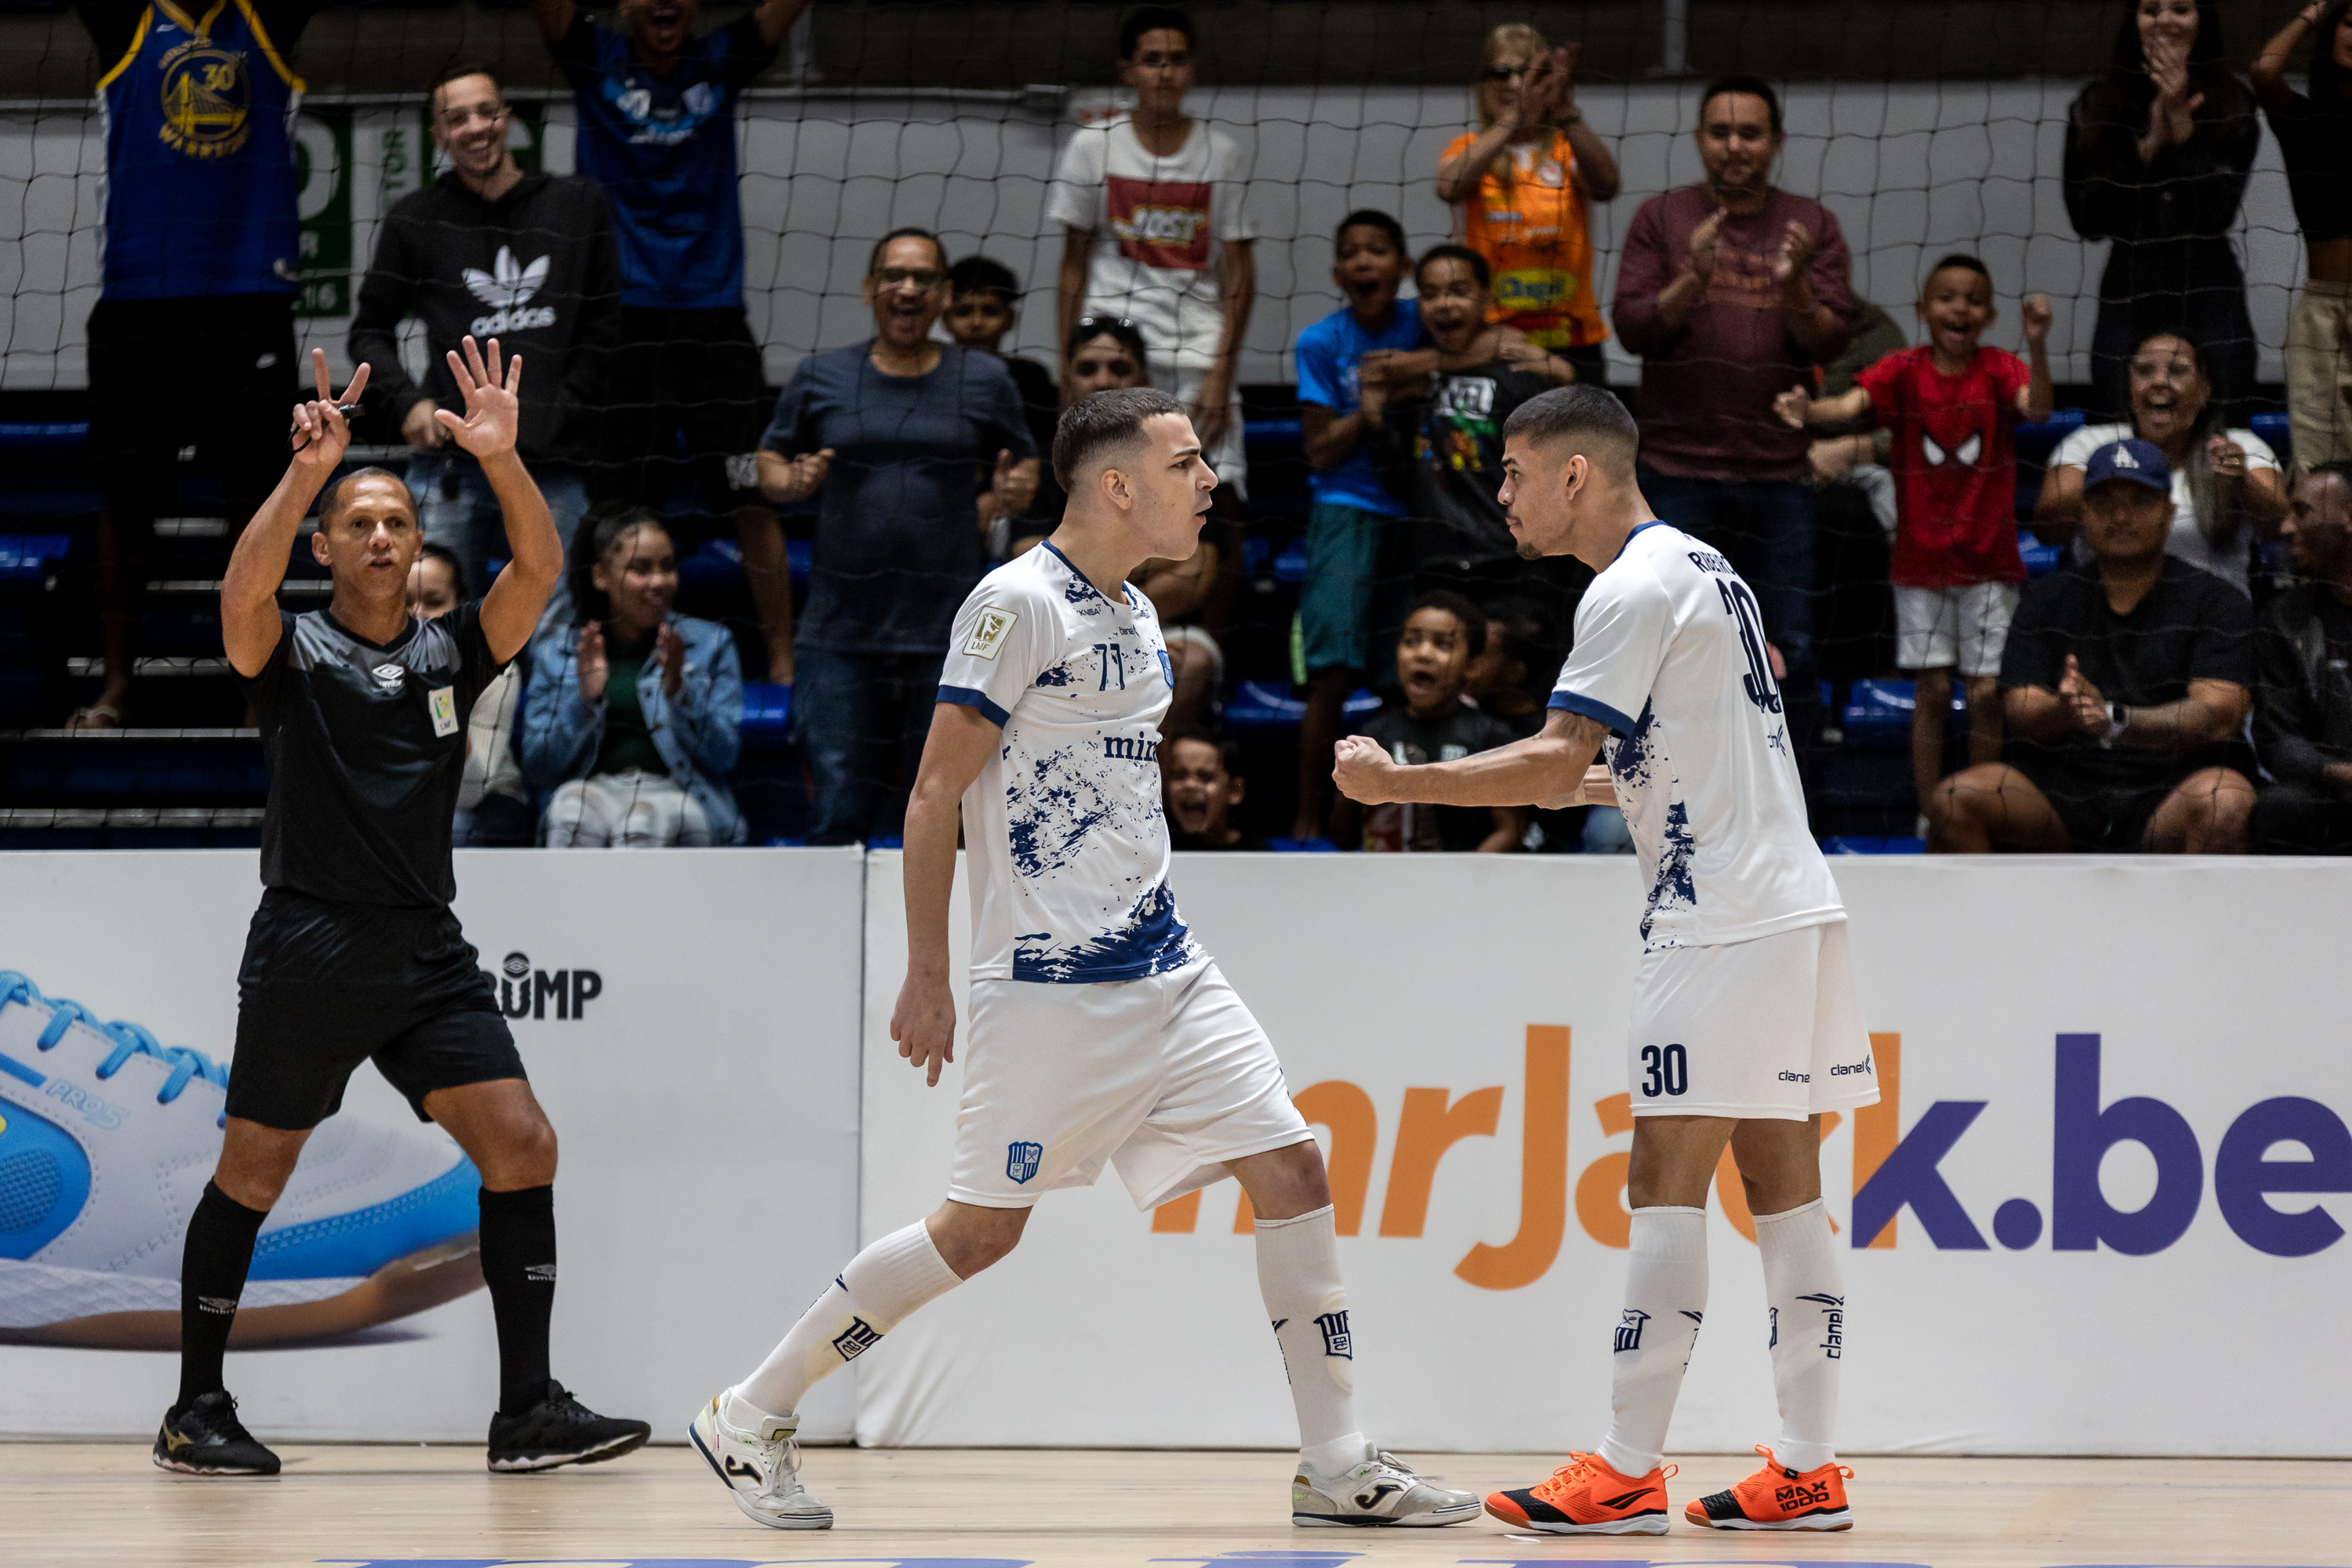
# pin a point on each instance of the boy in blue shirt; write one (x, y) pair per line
(656, 108)
(1345, 530)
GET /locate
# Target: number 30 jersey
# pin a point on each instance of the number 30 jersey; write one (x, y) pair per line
(1670, 655)
(1066, 841)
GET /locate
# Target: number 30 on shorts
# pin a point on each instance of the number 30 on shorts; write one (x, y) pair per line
(1664, 1070)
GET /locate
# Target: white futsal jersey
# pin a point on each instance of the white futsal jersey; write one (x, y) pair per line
(1065, 840)
(1670, 655)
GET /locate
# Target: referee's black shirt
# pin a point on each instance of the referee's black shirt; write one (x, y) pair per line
(366, 744)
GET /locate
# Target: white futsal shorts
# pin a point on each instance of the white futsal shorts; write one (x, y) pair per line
(1768, 1029)
(1166, 1077)
(1962, 629)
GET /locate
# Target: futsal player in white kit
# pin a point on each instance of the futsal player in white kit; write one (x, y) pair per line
(1100, 1031)
(1746, 1027)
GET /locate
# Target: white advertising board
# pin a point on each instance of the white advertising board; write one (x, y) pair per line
(2115, 1095)
(703, 1084)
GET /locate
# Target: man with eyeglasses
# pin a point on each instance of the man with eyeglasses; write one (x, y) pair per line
(895, 439)
(490, 251)
(1150, 204)
(657, 105)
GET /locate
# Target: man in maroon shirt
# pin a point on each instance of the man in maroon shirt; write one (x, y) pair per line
(1730, 291)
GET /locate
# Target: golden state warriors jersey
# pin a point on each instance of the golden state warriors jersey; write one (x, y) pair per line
(200, 193)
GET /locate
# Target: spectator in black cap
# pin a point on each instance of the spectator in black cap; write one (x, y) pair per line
(2126, 683)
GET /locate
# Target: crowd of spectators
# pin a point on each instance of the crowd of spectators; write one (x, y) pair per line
(2177, 683)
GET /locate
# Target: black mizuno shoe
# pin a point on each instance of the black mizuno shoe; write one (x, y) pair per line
(204, 1437)
(559, 1430)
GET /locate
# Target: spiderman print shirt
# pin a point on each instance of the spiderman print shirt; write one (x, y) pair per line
(1955, 463)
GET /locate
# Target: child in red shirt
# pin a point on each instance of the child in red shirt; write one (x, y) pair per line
(1953, 405)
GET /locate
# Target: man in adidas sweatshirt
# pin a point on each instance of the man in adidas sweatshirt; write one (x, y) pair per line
(490, 251)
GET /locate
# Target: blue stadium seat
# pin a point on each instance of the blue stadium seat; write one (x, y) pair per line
(2278, 431)
(26, 558)
(1263, 705)
(1866, 844)
(1879, 711)
(767, 713)
(2040, 559)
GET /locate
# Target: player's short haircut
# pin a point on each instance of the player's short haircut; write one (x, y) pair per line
(1105, 421)
(1472, 618)
(1153, 19)
(1461, 253)
(1229, 750)
(1965, 262)
(984, 275)
(1372, 218)
(338, 494)
(1745, 83)
(874, 262)
(458, 69)
(450, 564)
(1589, 418)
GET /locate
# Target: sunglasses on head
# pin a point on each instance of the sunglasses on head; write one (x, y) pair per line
(1505, 73)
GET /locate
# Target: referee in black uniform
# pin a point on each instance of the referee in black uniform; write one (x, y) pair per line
(354, 953)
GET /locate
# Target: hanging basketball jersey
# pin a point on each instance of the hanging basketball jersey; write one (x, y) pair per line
(200, 192)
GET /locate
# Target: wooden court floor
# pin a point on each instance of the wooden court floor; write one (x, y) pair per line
(85, 1503)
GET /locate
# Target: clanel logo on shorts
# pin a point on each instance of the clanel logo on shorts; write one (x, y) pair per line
(1021, 1160)
(1788, 1076)
(1846, 1070)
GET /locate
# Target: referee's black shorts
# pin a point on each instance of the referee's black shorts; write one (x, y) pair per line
(327, 986)
(217, 374)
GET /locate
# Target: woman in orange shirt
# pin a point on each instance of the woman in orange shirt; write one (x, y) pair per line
(1518, 185)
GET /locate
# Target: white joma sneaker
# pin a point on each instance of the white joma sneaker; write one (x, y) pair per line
(761, 1468)
(1377, 1490)
(106, 1142)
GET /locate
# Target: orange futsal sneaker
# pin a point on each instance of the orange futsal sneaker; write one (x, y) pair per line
(1585, 1496)
(1778, 1499)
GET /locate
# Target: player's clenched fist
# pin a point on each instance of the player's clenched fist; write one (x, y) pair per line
(1361, 769)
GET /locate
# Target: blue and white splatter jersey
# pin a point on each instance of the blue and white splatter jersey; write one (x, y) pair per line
(1670, 655)
(1066, 841)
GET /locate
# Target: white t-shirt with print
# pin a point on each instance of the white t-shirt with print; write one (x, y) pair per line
(1670, 655)
(2186, 540)
(1066, 842)
(1157, 223)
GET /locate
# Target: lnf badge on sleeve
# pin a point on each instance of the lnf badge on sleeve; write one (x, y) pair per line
(988, 634)
(444, 706)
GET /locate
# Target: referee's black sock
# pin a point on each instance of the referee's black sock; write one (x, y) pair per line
(518, 1266)
(212, 1264)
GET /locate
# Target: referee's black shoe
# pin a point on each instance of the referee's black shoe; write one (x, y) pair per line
(559, 1430)
(204, 1437)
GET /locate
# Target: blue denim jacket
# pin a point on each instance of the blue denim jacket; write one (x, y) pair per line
(698, 733)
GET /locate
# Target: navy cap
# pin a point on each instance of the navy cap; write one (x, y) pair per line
(2141, 462)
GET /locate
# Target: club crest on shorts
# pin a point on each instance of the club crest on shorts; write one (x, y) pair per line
(1021, 1160)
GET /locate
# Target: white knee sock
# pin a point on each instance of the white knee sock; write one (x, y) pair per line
(1666, 1296)
(1299, 1274)
(1805, 1284)
(880, 1289)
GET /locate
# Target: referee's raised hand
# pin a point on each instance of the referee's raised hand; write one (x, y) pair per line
(320, 431)
(493, 408)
